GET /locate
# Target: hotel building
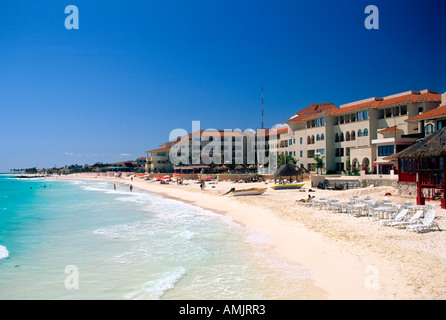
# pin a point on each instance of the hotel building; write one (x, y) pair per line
(361, 134)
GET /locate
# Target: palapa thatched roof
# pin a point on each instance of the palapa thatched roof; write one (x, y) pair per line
(432, 146)
(286, 170)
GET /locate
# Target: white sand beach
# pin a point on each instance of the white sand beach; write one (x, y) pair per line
(351, 257)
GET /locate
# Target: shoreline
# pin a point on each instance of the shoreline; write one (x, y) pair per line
(347, 263)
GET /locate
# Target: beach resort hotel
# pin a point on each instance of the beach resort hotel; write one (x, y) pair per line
(361, 135)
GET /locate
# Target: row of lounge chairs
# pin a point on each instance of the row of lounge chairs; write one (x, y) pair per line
(326, 185)
(401, 215)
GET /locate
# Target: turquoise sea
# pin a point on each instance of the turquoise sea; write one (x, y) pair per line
(75, 239)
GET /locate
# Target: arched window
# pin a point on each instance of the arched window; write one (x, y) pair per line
(336, 137)
(359, 133)
(322, 137)
(366, 132)
(347, 136)
(429, 129)
(341, 137)
(312, 139)
(318, 138)
(353, 136)
(308, 140)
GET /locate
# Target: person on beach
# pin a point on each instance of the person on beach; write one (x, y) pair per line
(202, 185)
(131, 188)
(114, 186)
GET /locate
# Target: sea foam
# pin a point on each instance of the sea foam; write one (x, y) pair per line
(3, 252)
(154, 289)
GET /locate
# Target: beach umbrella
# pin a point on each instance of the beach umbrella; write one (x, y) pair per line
(208, 177)
(177, 175)
(166, 177)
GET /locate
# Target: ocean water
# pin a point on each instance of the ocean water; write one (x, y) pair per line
(74, 239)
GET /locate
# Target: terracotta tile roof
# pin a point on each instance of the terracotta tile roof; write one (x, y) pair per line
(276, 131)
(315, 110)
(358, 106)
(160, 149)
(431, 114)
(390, 129)
(400, 98)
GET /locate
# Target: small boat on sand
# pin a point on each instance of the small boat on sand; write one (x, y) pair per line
(288, 186)
(247, 192)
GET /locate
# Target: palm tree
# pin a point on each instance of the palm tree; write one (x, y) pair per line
(319, 163)
(285, 159)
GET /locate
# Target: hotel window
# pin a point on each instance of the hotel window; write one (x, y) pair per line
(336, 137)
(301, 153)
(339, 152)
(396, 111)
(366, 132)
(341, 119)
(322, 121)
(353, 117)
(386, 150)
(441, 124)
(347, 136)
(429, 129)
(347, 118)
(318, 122)
(360, 116)
(301, 140)
(365, 114)
(381, 114)
(308, 140)
(290, 142)
(388, 112)
(403, 110)
(359, 133)
(321, 151)
(312, 139)
(353, 136)
(322, 137)
(318, 138)
(341, 137)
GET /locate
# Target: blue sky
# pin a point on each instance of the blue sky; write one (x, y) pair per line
(135, 70)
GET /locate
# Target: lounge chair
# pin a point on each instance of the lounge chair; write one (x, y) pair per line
(333, 204)
(426, 223)
(348, 206)
(398, 217)
(411, 220)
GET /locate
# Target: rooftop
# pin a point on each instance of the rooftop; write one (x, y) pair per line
(439, 112)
